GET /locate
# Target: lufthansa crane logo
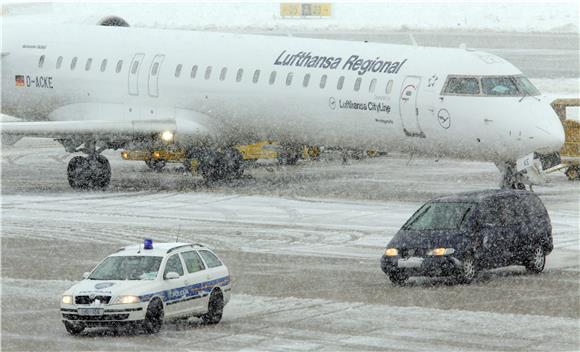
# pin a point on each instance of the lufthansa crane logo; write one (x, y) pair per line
(444, 118)
(332, 103)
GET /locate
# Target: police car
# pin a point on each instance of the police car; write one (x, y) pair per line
(142, 285)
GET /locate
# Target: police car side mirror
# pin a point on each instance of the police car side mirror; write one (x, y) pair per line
(171, 275)
(86, 275)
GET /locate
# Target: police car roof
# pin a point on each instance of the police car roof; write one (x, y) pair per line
(159, 249)
(478, 196)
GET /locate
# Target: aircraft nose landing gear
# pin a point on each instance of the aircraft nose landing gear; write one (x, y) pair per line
(89, 173)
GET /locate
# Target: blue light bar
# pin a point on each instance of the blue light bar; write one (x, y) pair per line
(148, 244)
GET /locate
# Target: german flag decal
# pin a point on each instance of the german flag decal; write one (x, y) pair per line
(19, 81)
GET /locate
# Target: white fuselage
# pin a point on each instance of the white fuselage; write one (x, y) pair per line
(413, 116)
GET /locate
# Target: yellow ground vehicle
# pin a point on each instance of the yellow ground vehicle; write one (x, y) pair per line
(570, 152)
(157, 159)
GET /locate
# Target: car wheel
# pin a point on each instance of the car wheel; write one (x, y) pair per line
(398, 277)
(73, 329)
(154, 317)
(468, 270)
(536, 260)
(215, 308)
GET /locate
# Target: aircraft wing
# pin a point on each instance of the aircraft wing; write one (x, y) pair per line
(192, 125)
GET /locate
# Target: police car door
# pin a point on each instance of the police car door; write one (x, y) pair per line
(175, 290)
(216, 271)
(195, 279)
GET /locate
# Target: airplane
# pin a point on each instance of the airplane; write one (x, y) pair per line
(112, 86)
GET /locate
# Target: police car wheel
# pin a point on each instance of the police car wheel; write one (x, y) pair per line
(536, 260)
(215, 308)
(73, 329)
(154, 317)
(398, 277)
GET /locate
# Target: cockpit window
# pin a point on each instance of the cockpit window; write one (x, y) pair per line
(489, 86)
(525, 85)
(462, 85)
(499, 86)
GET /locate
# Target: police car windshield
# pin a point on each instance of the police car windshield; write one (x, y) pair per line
(440, 216)
(127, 268)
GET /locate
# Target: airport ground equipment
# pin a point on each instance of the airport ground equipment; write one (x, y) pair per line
(570, 152)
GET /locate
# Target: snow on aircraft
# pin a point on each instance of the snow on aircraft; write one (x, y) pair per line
(110, 86)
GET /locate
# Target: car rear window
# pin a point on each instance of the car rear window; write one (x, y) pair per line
(210, 259)
(440, 216)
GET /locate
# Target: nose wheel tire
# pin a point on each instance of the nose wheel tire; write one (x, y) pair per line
(536, 261)
(153, 318)
(468, 271)
(89, 173)
(215, 309)
(73, 329)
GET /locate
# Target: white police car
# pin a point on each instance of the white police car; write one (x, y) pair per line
(142, 285)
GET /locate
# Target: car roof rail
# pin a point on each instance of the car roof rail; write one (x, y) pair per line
(184, 246)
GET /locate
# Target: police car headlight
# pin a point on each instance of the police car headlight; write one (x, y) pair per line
(441, 251)
(67, 299)
(126, 300)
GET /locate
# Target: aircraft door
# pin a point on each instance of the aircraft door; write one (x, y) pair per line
(153, 86)
(134, 69)
(408, 107)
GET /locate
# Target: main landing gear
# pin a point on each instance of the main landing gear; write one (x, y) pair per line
(217, 165)
(89, 173)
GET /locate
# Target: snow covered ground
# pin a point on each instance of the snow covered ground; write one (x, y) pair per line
(303, 245)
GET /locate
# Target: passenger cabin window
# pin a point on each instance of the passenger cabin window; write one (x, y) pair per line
(178, 70)
(210, 259)
(256, 76)
(103, 65)
(119, 66)
(73, 63)
(357, 84)
(193, 262)
(155, 69)
(272, 77)
(340, 83)
(59, 62)
(208, 72)
(41, 61)
(88, 64)
(289, 78)
(193, 71)
(306, 80)
(372, 85)
(173, 265)
(462, 86)
(240, 75)
(223, 74)
(135, 67)
(389, 87)
(323, 81)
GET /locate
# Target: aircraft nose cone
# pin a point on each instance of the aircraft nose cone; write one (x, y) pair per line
(551, 135)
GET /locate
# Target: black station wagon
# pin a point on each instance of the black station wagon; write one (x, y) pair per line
(461, 234)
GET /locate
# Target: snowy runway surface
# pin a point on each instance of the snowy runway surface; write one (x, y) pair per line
(303, 245)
